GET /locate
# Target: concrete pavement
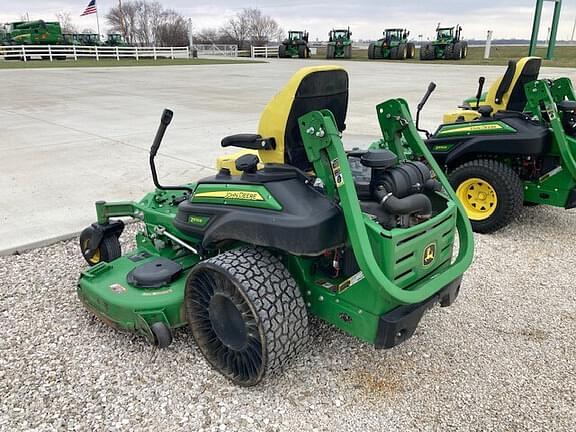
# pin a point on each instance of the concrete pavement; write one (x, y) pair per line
(69, 137)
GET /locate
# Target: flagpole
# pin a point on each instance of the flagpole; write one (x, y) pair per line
(97, 20)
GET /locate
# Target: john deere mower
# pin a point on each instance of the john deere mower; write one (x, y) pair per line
(339, 44)
(512, 146)
(296, 45)
(286, 229)
(448, 45)
(394, 45)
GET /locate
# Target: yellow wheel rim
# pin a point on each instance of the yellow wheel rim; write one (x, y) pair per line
(478, 198)
(96, 257)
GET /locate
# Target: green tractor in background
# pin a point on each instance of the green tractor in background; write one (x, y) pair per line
(32, 33)
(394, 45)
(448, 45)
(511, 147)
(82, 39)
(291, 227)
(296, 45)
(116, 40)
(339, 44)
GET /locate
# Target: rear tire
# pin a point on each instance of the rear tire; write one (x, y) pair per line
(246, 314)
(427, 52)
(411, 50)
(348, 51)
(492, 210)
(464, 50)
(449, 52)
(330, 51)
(457, 51)
(402, 52)
(372, 51)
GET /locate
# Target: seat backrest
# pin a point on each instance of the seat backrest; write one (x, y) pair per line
(310, 89)
(507, 92)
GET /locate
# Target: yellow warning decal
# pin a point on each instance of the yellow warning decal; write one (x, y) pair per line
(476, 128)
(231, 195)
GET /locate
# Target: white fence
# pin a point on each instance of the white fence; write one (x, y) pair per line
(264, 51)
(63, 52)
(217, 50)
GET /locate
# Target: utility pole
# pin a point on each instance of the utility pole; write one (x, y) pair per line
(573, 30)
(488, 44)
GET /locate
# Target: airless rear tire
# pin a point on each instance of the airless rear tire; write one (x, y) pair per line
(246, 314)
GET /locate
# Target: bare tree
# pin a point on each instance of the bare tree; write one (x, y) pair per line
(144, 22)
(263, 28)
(123, 20)
(65, 20)
(237, 29)
(171, 30)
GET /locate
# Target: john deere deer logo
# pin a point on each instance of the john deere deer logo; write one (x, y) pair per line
(429, 254)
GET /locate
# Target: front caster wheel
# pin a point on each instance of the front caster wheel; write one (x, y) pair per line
(246, 314)
(162, 334)
(108, 250)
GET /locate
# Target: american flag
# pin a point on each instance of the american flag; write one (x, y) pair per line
(90, 9)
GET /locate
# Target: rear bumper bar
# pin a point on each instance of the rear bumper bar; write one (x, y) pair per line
(399, 324)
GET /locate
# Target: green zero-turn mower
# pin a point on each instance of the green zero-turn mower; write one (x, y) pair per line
(339, 44)
(243, 260)
(448, 45)
(512, 146)
(394, 45)
(296, 45)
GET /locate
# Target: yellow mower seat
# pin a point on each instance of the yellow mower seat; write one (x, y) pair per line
(506, 93)
(309, 89)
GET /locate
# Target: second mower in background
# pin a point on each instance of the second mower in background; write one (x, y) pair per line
(394, 46)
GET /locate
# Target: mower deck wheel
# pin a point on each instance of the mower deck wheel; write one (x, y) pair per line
(108, 250)
(490, 192)
(162, 334)
(246, 314)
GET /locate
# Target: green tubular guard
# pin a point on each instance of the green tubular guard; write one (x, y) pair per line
(324, 148)
(542, 95)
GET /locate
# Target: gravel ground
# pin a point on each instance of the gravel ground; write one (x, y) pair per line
(502, 358)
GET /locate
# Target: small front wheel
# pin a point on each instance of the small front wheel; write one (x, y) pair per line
(108, 250)
(162, 334)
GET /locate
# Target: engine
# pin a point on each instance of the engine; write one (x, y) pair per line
(395, 193)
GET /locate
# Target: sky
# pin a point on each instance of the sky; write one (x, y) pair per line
(366, 18)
